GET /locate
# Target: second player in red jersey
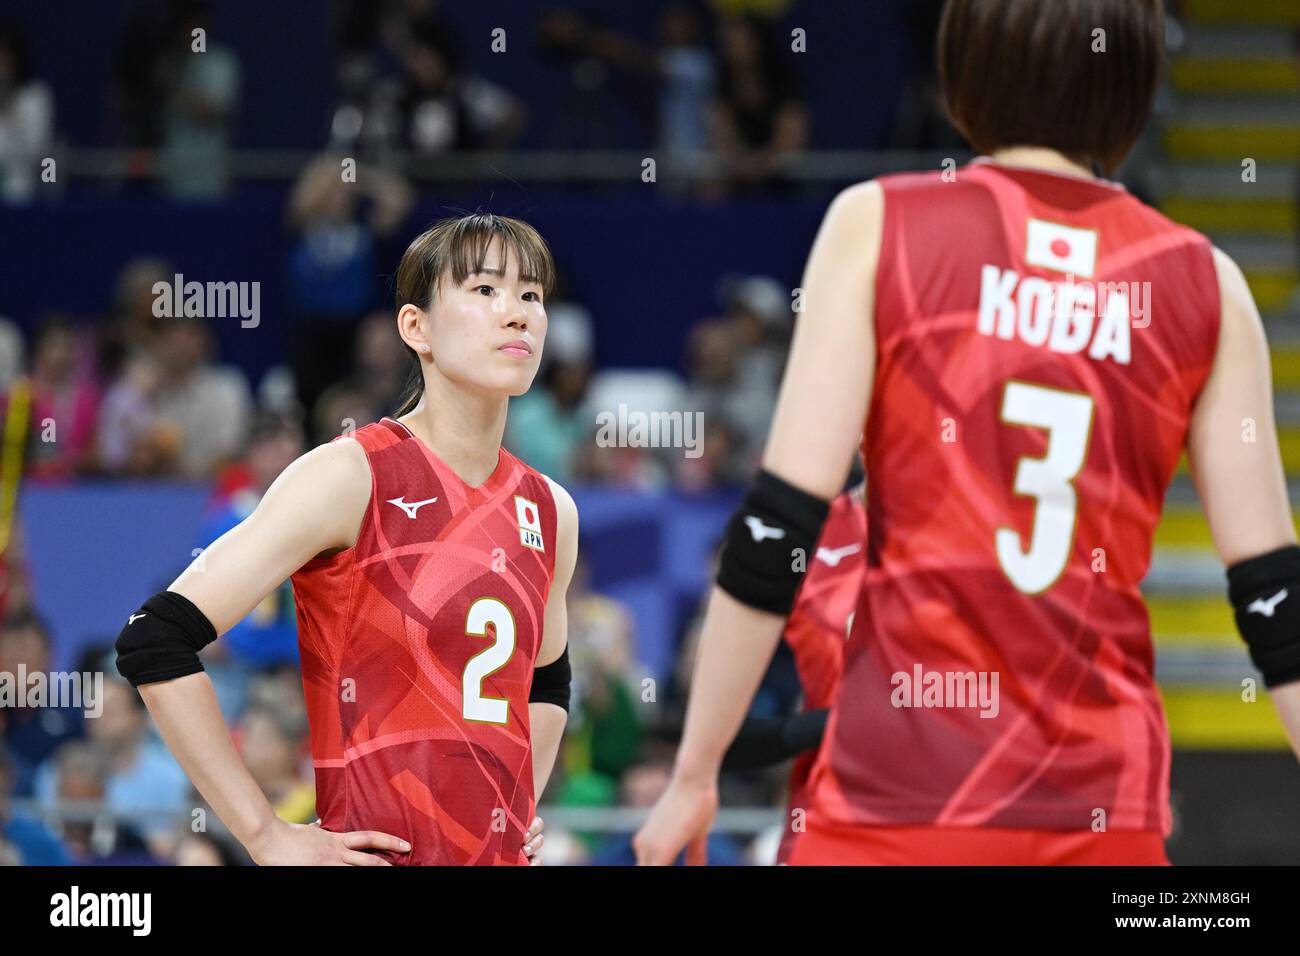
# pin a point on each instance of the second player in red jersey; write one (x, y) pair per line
(1026, 350)
(1010, 555)
(817, 631)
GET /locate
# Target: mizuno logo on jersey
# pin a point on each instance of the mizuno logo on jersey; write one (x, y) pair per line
(530, 524)
(833, 556)
(761, 531)
(1266, 607)
(410, 507)
(135, 617)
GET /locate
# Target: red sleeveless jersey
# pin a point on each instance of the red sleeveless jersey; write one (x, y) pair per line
(1041, 340)
(819, 625)
(418, 646)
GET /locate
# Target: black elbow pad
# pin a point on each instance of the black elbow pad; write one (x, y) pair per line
(162, 640)
(551, 682)
(774, 522)
(1265, 593)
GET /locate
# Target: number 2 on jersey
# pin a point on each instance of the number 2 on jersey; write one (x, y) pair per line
(476, 707)
(1067, 416)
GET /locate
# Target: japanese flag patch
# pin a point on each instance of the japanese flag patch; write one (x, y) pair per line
(530, 523)
(1061, 248)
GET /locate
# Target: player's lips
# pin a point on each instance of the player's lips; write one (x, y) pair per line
(518, 348)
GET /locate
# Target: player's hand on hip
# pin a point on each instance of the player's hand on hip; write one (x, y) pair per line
(681, 816)
(298, 844)
(533, 840)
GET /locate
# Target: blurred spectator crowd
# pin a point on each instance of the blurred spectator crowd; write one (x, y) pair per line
(713, 81)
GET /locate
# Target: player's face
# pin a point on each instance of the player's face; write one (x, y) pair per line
(487, 331)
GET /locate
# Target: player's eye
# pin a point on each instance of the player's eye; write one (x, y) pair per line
(535, 297)
(489, 288)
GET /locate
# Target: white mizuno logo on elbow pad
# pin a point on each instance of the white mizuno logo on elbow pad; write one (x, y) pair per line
(760, 530)
(1266, 607)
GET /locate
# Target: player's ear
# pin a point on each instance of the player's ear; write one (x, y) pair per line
(413, 327)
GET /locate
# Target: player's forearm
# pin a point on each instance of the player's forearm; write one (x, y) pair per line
(1286, 700)
(547, 724)
(190, 721)
(735, 648)
(763, 741)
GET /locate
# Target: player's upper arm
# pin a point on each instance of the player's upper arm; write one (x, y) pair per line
(556, 624)
(1232, 442)
(828, 377)
(316, 505)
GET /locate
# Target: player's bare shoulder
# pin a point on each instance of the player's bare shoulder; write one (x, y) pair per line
(339, 469)
(566, 528)
(328, 488)
(862, 203)
(1234, 292)
(566, 510)
(1241, 330)
(848, 243)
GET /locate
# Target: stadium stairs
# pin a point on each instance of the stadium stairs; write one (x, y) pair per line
(1235, 89)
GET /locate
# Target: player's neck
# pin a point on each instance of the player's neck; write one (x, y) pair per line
(1039, 157)
(462, 428)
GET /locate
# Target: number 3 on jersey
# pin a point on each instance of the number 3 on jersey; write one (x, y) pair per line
(476, 707)
(1067, 416)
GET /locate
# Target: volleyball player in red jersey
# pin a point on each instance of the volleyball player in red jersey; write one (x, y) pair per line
(429, 567)
(817, 630)
(1024, 421)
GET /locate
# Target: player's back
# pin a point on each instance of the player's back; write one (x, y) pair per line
(1041, 340)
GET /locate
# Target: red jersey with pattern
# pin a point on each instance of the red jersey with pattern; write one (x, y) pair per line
(1042, 339)
(418, 646)
(818, 626)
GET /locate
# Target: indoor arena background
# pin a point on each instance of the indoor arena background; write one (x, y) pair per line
(678, 157)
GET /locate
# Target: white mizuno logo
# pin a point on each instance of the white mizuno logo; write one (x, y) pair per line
(1261, 606)
(833, 556)
(760, 530)
(134, 617)
(410, 507)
